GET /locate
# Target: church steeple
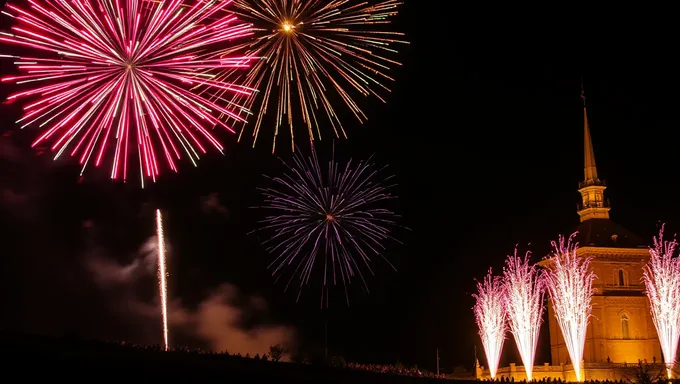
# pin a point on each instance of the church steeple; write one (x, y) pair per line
(590, 170)
(591, 188)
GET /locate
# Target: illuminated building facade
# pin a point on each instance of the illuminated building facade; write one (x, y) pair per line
(621, 331)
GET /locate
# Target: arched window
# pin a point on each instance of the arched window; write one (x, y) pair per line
(621, 280)
(625, 330)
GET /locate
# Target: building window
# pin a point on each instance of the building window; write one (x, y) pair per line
(625, 330)
(621, 279)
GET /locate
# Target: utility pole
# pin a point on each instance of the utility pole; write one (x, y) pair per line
(326, 337)
(437, 361)
(476, 357)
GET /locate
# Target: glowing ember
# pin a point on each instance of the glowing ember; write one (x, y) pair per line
(661, 276)
(569, 280)
(524, 306)
(490, 316)
(162, 276)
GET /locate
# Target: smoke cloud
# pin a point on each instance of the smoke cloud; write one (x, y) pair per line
(107, 272)
(13, 198)
(219, 320)
(212, 203)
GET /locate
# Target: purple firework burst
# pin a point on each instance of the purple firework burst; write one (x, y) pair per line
(327, 221)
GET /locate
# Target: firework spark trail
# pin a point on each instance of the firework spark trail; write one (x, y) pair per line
(661, 276)
(113, 78)
(334, 216)
(162, 276)
(312, 49)
(569, 281)
(490, 314)
(524, 305)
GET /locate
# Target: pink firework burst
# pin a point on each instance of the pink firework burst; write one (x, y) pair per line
(490, 315)
(661, 276)
(112, 79)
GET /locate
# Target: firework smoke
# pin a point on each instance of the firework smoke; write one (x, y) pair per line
(162, 276)
(524, 305)
(569, 281)
(224, 319)
(661, 276)
(490, 315)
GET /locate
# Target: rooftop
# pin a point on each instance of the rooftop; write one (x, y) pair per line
(606, 233)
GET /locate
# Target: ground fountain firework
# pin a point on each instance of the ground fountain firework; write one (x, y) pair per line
(111, 81)
(524, 294)
(661, 276)
(569, 281)
(331, 222)
(490, 315)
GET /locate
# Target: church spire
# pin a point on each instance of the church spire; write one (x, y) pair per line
(591, 188)
(590, 170)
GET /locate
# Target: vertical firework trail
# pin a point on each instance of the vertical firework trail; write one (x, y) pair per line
(661, 276)
(490, 316)
(569, 281)
(162, 276)
(524, 305)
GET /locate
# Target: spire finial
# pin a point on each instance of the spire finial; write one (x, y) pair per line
(591, 188)
(590, 171)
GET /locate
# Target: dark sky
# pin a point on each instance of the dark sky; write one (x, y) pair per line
(483, 132)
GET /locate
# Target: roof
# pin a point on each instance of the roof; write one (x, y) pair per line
(606, 233)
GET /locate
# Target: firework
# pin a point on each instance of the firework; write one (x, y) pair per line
(569, 281)
(330, 221)
(490, 314)
(524, 305)
(162, 276)
(661, 276)
(313, 53)
(113, 78)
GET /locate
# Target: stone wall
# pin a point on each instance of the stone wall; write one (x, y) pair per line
(591, 371)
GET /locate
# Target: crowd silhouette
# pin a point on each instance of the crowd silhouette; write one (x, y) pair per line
(62, 356)
(181, 361)
(396, 370)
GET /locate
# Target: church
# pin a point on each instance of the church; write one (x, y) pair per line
(621, 331)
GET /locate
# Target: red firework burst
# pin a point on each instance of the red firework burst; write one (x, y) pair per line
(113, 71)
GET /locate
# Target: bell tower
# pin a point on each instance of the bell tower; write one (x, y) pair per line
(593, 205)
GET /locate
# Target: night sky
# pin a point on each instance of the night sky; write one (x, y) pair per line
(483, 132)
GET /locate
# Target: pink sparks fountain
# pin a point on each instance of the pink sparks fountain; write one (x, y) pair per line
(661, 276)
(524, 305)
(569, 281)
(490, 316)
